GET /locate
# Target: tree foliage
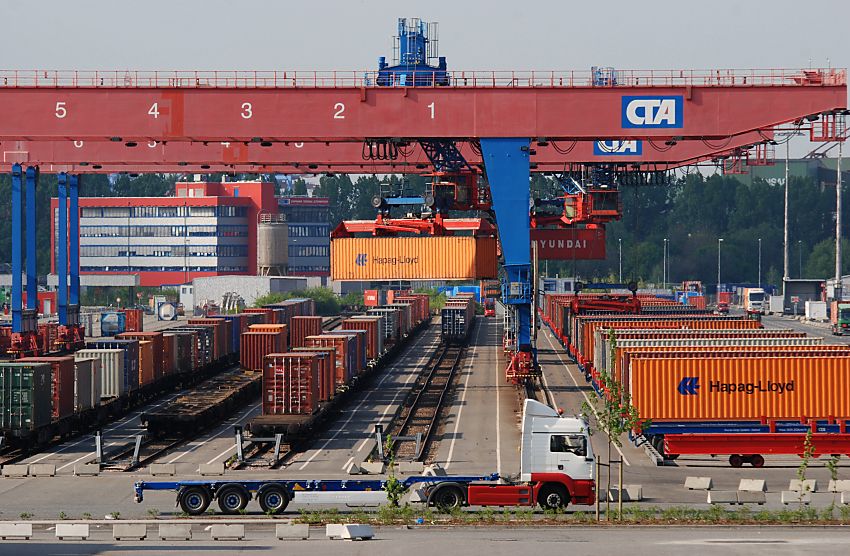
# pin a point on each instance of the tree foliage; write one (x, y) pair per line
(327, 302)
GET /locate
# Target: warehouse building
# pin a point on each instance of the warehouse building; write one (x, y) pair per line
(206, 229)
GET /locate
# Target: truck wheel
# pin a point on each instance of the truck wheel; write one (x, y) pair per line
(232, 499)
(447, 497)
(736, 460)
(273, 499)
(757, 460)
(194, 500)
(553, 497)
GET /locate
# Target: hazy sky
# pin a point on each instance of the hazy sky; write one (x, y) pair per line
(351, 34)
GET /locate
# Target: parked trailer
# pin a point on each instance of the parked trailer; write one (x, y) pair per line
(556, 468)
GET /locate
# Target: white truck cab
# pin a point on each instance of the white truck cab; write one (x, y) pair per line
(552, 443)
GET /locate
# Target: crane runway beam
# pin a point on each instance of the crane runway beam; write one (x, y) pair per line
(141, 110)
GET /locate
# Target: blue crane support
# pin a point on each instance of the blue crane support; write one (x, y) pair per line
(507, 164)
(32, 272)
(62, 248)
(17, 249)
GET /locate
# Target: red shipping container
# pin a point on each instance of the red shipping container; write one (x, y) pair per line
(392, 295)
(301, 327)
(344, 345)
(724, 297)
(61, 384)
(147, 373)
(159, 358)
(169, 348)
(268, 314)
(135, 320)
(327, 363)
(371, 328)
(290, 384)
(255, 346)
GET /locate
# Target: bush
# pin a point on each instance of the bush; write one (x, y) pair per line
(327, 303)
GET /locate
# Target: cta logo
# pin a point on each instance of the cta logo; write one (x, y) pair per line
(621, 148)
(650, 112)
(361, 259)
(689, 386)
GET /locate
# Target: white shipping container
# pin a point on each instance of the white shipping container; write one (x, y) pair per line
(111, 370)
(816, 310)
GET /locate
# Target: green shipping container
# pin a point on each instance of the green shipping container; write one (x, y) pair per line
(25, 397)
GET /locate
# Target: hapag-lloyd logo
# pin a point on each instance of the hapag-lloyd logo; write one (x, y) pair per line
(362, 259)
(690, 386)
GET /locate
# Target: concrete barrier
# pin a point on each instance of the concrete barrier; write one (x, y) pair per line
(175, 531)
(435, 470)
(751, 497)
(16, 471)
(349, 531)
(796, 497)
(357, 532)
(353, 468)
(411, 467)
(722, 497)
(235, 532)
(840, 485)
(129, 531)
(87, 470)
(634, 492)
(15, 530)
(753, 485)
(162, 469)
(208, 469)
(42, 470)
(333, 530)
(845, 497)
(698, 483)
(809, 485)
(73, 530)
(291, 531)
(372, 467)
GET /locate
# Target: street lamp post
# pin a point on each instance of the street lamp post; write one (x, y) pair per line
(664, 266)
(800, 263)
(620, 246)
(759, 262)
(719, 242)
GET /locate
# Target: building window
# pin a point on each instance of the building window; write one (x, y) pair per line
(309, 251)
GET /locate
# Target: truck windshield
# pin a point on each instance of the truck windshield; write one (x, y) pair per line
(757, 296)
(844, 314)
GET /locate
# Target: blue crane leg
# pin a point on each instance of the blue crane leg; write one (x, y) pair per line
(17, 248)
(32, 269)
(74, 235)
(62, 249)
(507, 164)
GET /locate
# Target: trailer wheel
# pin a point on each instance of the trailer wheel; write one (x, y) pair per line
(194, 500)
(447, 497)
(273, 499)
(757, 460)
(232, 499)
(553, 497)
(736, 460)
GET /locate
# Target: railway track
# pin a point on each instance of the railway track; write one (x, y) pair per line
(422, 411)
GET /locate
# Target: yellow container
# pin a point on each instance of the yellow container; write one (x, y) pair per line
(413, 258)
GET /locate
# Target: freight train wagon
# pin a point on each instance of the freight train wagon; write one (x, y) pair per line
(458, 318)
(303, 388)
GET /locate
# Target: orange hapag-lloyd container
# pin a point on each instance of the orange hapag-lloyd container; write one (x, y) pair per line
(413, 258)
(739, 388)
(625, 355)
